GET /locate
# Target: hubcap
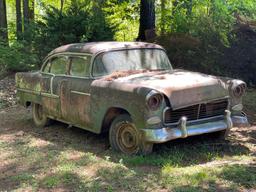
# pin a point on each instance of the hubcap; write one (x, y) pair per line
(128, 138)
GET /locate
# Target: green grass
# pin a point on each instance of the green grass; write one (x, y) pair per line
(57, 158)
(249, 102)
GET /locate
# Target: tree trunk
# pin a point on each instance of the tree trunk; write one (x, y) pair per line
(3, 21)
(32, 11)
(61, 6)
(26, 15)
(147, 20)
(18, 20)
(189, 7)
(162, 24)
(174, 6)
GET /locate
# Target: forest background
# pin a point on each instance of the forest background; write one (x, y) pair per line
(211, 36)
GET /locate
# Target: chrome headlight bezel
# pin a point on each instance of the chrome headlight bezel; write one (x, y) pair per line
(238, 88)
(154, 100)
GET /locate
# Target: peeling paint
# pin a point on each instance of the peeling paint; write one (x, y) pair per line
(86, 102)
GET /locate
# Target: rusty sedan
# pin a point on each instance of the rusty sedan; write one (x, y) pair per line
(131, 91)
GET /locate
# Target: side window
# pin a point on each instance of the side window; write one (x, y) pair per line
(59, 65)
(98, 67)
(80, 66)
(46, 69)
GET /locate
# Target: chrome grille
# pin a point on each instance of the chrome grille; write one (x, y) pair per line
(195, 112)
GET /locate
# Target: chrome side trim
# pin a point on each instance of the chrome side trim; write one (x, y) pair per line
(80, 93)
(38, 93)
(50, 95)
(28, 91)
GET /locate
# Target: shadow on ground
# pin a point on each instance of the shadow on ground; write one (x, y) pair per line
(34, 165)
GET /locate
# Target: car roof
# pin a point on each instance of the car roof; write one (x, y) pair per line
(96, 47)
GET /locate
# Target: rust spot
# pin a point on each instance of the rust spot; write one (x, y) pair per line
(118, 74)
(161, 77)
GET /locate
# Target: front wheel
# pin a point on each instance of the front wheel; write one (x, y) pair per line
(124, 137)
(39, 117)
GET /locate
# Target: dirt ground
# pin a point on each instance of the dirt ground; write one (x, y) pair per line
(58, 158)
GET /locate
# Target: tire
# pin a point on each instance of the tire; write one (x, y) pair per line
(124, 137)
(39, 117)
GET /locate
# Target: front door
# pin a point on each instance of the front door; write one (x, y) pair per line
(80, 90)
(58, 84)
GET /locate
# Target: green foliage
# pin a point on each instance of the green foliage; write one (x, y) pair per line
(123, 17)
(198, 35)
(16, 58)
(76, 24)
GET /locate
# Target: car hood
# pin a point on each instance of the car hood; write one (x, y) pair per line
(183, 88)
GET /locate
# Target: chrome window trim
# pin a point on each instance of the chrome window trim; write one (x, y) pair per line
(120, 49)
(93, 57)
(68, 54)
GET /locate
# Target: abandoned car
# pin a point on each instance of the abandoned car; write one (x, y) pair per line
(131, 91)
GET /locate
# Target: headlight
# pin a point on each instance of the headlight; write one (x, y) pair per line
(154, 100)
(238, 88)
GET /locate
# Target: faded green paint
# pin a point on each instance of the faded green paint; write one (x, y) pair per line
(85, 102)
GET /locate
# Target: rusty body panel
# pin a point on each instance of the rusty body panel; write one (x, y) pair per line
(183, 88)
(92, 103)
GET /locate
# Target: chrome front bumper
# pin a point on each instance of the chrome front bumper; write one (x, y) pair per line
(185, 129)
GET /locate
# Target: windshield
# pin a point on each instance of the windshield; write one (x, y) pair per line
(131, 60)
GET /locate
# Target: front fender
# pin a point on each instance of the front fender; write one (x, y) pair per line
(102, 99)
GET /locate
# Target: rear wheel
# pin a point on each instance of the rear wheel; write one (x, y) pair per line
(125, 137)
(39, 117)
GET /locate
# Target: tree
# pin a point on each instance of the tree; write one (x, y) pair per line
(147, 20)
(163, 2)
(3, 21)
(18, 19)
(26, 15)
(32, 11)
(61, 6)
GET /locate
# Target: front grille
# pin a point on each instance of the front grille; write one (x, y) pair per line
(196, 112)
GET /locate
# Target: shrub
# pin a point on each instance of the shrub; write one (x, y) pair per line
(76, 24)
(16, 58)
